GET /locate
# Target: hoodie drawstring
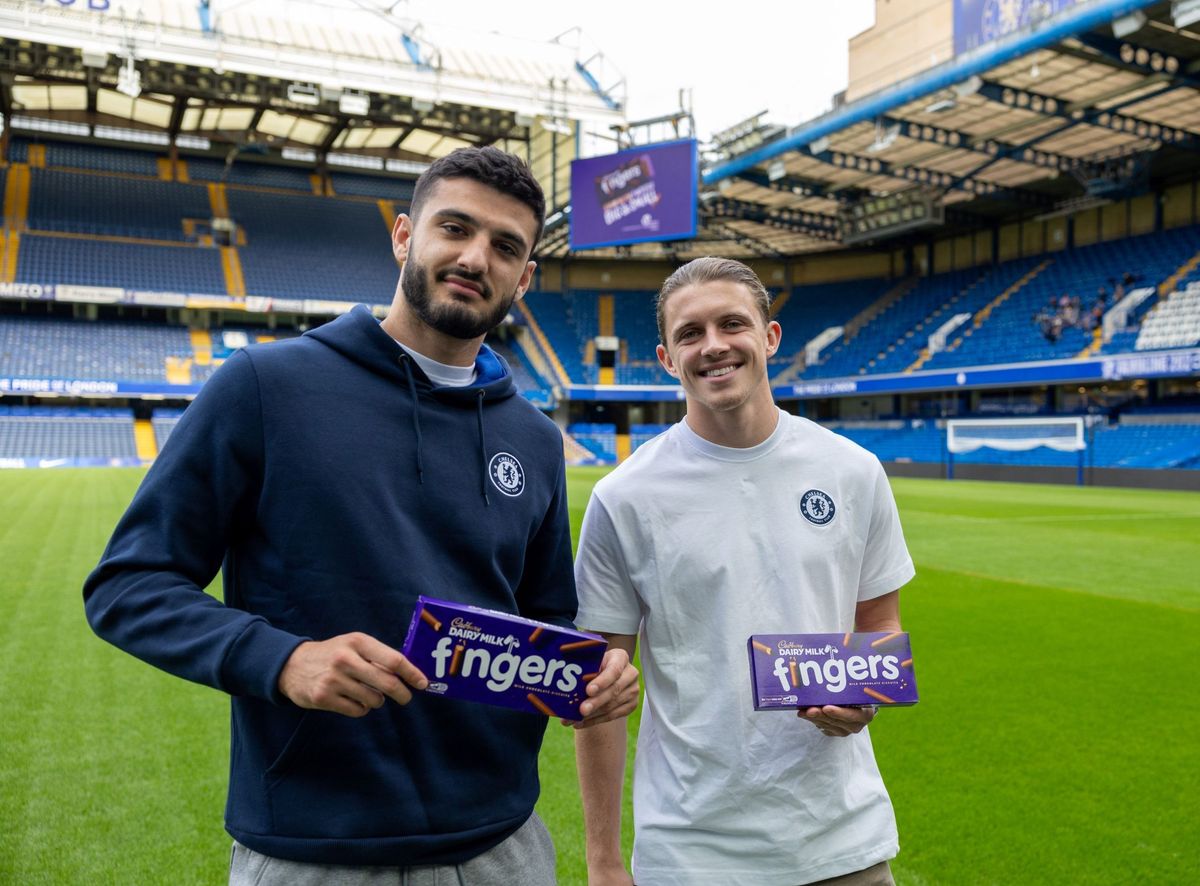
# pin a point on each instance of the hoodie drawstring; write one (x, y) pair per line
(416, 408)
(482, 450)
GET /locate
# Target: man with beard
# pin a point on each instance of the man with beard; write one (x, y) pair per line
(336, 477)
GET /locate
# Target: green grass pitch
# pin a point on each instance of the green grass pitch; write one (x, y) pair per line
(1056, 631)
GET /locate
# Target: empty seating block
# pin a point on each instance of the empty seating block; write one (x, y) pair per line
(61, 260)
(65, 433)
(103, 159)
(163, 422)
(43, 348)
(261, 175)
(552, 315)
(113, 205)
(599, 438)
(314, 247)
(399, 190)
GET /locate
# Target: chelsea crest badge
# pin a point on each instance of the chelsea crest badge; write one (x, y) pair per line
(817, 507)
(507, 474)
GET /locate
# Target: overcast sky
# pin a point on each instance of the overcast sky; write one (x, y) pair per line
(785, 56)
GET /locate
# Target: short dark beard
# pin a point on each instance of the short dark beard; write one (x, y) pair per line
(451, 318)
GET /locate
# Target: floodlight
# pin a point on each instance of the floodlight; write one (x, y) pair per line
(941, 106)
(356, 104)
(129, 79)
(304, 94)
(1185, 12)
(1128, 24)
(970, 86)
(776, 171)
(819, 145)
(884, 138)
(95, 58)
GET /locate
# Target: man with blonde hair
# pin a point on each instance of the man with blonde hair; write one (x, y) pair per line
(740, 519)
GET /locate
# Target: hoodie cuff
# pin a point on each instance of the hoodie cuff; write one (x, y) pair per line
(254, 661)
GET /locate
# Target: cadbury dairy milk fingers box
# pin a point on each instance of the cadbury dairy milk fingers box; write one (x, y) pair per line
(789, 671)
(500, 659)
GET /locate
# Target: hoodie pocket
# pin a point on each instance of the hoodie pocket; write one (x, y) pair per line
(293, 750)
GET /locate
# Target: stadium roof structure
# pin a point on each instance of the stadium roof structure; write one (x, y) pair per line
(1056, 117)
(348, 77)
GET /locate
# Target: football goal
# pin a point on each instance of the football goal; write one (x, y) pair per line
(1063, 434)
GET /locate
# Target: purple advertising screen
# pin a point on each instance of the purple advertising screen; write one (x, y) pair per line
(642, 194)
(979, 22)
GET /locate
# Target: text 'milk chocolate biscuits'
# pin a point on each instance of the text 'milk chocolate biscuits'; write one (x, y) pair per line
(789, 671)
(500, 659)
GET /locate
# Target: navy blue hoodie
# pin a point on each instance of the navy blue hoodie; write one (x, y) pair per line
(334, 483)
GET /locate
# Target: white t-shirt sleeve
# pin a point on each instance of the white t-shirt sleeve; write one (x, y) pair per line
(607, 599)
(886, 562)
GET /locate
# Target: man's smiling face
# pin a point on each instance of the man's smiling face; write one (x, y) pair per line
(717, 344)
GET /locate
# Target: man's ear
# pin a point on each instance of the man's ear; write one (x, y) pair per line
(774, 337)
(664, 358)
(401, 237)
(526, 279)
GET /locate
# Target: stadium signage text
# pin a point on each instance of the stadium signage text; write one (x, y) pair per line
(56, 386)
(92, 5)
(26, 290)
(1138, 365)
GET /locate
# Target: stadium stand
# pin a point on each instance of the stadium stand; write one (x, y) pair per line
(164, 421)
(256, 175)
(97, 158)
(295, 243)
(600, 438)
(45, 348)
(900, 334)
(552, 312)
(113, 205)
(1129, 444)
(1173, 323)
(1007, 334)
(314, 247)
(67, 433)
(644, 433)
(528, 382)
(62, 260)
(395, 189)
(810, 310)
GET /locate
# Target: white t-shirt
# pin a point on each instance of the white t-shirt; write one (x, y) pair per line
(442, 374)
(696, 547)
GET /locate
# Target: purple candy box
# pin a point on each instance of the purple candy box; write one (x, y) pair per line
(789, 671)
(500, 659)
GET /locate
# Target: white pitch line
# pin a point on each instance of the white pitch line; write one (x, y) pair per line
(1056, 518)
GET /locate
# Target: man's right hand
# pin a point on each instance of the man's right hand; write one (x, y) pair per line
(351, 674)
(609, 875)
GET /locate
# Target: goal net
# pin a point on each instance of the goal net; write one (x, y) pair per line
(1015, 435)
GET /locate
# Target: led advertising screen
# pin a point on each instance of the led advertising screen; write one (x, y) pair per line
(642, 194)
(978, 22)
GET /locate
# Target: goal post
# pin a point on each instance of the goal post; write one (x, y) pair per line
(1063, 434)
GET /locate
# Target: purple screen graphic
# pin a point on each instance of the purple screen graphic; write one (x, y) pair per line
(634, 196)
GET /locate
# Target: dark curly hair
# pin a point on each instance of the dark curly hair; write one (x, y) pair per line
(489, 166)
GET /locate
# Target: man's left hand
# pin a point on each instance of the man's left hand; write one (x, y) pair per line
(838, 722)
(612, 693)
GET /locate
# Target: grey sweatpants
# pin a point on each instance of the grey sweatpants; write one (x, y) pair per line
(527, 857)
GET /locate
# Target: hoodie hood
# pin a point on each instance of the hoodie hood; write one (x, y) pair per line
(358, 336)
